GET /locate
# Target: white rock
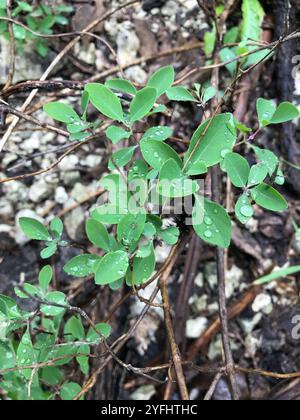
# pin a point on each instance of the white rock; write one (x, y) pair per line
(39, 191)
(144, 392)
(233, 280)
(6, 208)
(128, 45)
(69, 163)
(74, 224)
(92, 160)
(70, 177)
(170, 9)
(137, 74)
(199, 280)
(16, 191)
(262, 303)
(196, 327)
(162, 253)
(251, 345)
(31, 144)
(61, 195)
(248, 325)
(146, 293)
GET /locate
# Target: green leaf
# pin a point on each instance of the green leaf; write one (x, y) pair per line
(104, 330)
(130, 229)
(139, 170)
(116, 134)
(85, 100)
(82, 265)
(105, 101)
(280, 179)
(173, 183)
(170, 235)
(74, 328)
(121, 158)
(251, 30)
(111, 268)
(265, 111)
(196, 168)
(109, 214)
(210, 41)
(284, 113)
(61, 112)
(52, 375)
(162, 80)
(97, 234)
(180, 94)
(228, 54)
(277, 274)
(25, 354)
(49, 251)
(143, 268)
(267, 197)
(142, 103)
(267, 158)
(156, 153)
(258, 174)
(121, 85)
(216, 227)
(45, 277)
(57, 226)
(69, 391)
(159, 133)
(209, 93)
(58, 298)
(238, 169)
(243, 209)
(34, 229)
(218, 140)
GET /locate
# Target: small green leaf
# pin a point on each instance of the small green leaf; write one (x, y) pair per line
(57, 298)
(211, 147)
(121, 158)
(238, 169)
(57, 226)
(267, 197)
(170, 235)
(82, 265)
(180, 94)
(209, 93)
(69, 391)
(131, 228)
(121, 85)
(156, 153)
(268, 158)
(62, 112)
(265, 110)
(111, 268)
(159, 133)
(243, 209)
(116, 134)
(45, 277)
(216, 227)
(97, 234)
(74, 328)
(108, 214)
(143, 268)
(105, 101)
(25, 354)
(104, 330)
(197, 167)
(284, 113)
(277, 274)
(162, 80)
(49, 251)
(173, 183)
(210, 38)
(142, 103)
(258, 174)
(34, 229)
(226, 55)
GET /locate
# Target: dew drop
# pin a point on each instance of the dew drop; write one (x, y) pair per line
(208, 234)
(208, 221)
(247, 211)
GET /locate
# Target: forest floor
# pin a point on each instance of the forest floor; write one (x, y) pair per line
(261, 324)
